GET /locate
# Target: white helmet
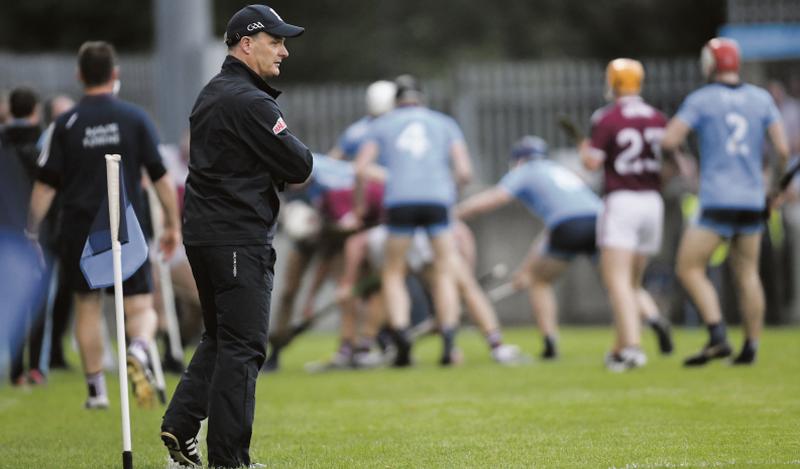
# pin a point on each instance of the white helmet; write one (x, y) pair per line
(380, 97)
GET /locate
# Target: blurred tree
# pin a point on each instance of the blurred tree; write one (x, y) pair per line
(368, 39)
(58, 25)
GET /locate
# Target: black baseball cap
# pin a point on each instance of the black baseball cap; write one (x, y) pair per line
(253, 19)
(407, 87)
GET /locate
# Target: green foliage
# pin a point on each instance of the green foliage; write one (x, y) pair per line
(571, 413)
(369, 39)
(59, 25)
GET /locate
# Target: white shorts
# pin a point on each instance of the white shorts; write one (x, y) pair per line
(632, 220)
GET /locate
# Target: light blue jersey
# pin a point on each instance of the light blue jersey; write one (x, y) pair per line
(332, 174)
(353, 136)
(551, 192)
(730, 122)
(414, 143)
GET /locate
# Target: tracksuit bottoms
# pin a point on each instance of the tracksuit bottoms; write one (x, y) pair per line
(235, 286)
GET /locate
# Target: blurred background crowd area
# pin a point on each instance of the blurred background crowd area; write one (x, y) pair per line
(502, 70)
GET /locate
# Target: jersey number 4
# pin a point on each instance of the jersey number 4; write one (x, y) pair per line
(413, 140)
(631, 160)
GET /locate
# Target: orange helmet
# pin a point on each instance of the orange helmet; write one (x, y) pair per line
(624, 76)
(720, 55)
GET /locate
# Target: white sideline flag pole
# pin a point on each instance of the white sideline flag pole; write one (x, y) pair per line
(112, 175)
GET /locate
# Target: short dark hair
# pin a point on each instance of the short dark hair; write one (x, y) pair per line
(96, 61)
(22, 102)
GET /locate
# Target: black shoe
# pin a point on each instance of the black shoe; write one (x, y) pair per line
(171, 364)
(746, 357)
(662, 330)
(549, 353)
(708, 353)
(452, 358)
(403, 357)
(183, 451)
(272, 364)
(59, 363)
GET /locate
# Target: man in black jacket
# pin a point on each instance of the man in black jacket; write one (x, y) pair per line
(241, 154)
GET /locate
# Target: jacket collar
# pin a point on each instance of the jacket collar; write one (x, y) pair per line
(236, 66)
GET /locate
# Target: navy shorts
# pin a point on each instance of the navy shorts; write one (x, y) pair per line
(731, 222)
(404, 219)
(572, 237)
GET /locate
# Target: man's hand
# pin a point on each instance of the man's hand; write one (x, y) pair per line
(589, 156)
(169, 242)
(33, 238)
(344, 292)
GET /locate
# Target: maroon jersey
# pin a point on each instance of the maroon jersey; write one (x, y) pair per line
(626, 135)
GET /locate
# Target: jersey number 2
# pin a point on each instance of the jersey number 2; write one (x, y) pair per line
(738, 125)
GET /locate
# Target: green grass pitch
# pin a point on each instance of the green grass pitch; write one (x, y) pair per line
(570, 413)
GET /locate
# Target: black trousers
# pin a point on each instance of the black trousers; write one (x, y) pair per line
(235, 286)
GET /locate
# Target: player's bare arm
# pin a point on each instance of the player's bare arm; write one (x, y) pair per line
(41, 199)
(366, 156)
(591, 157)
(482, 202)
(462, 167)
(167, 196)
(674, 135)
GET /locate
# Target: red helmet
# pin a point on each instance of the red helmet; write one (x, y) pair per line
(720, 55)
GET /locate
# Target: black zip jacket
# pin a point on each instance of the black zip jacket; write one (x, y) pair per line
(241, 153)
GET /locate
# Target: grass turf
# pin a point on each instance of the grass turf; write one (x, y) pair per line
(570, 413)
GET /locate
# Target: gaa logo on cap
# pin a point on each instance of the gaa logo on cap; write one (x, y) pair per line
(254, 26)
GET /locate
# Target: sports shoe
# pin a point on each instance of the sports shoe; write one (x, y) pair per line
(626, 359)
(549, 354)
(661, 328)
(36, 377)
(455, 357)
(746, 357)
(272, 364)
(403, 346)
(506, 354)
(367, 359)
(142, 382)
(550, 349)
(20, 381)
(184, 451)
(708, 353)
(96, 402)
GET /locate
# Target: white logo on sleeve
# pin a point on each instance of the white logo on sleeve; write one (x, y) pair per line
(279, 126)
